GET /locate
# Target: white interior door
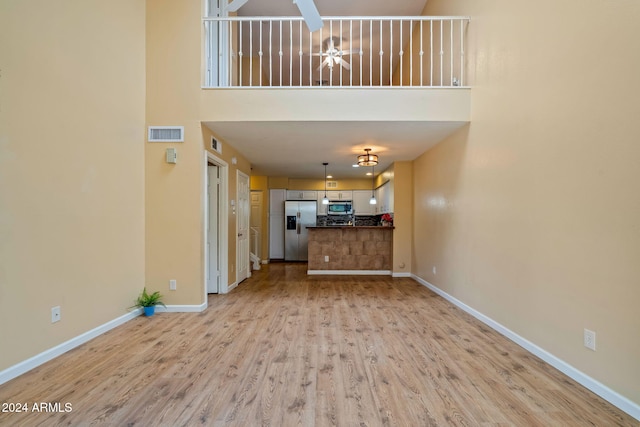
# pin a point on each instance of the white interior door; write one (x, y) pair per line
(242, 221)
(256, 223)
(213, 247)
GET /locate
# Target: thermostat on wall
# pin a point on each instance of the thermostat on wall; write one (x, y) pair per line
(172, 155)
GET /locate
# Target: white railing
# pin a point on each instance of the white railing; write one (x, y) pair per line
(269, 52)
(255, 243)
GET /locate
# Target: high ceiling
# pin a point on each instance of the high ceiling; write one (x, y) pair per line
(297, 149)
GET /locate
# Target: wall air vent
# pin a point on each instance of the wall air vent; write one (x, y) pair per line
(332, 184)
(216, 145)
(166, 134)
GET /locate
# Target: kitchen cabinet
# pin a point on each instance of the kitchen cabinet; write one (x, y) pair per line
(322, 209)
(339, 195)
(384, 196)
(361, 205)
(302, 194)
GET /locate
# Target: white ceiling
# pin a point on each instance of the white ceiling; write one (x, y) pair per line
(298, 149)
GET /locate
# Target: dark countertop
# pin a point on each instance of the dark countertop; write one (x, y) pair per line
(351, 226)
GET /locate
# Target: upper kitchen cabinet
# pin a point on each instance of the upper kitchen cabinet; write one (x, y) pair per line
(302, 195)
(361, 205)
(384, 195)
(322, 209)
(340, 195)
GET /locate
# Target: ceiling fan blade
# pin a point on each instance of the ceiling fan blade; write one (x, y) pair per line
(327, 61)
(348, 52)
(310, 14)
(345, 64)
(235, 5)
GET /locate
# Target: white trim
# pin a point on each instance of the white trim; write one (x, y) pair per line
(223, 219)
(231, 286)
(181, 308)
(239, 174)
(401, 274)
(350, 272)
(47, 355)
(595, 386)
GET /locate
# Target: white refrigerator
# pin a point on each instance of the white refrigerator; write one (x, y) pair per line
(297, 217)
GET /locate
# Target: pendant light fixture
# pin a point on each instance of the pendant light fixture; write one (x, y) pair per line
(367, 159)
(325, 200)
(372, 200)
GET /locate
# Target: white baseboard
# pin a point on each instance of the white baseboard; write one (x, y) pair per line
(231, 286)
(595, 386)
(265, 261)
(402, 274)
(181, 308)
(47, 355)
(350, 272)
(37, 360)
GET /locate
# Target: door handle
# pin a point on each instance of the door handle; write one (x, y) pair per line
(298, 228)
(239, 234)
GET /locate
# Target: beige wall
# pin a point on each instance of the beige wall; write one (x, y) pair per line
(318, 184)
(174, 192)
(530, 214)
(402, 216)
(174, 217)
(71, 169)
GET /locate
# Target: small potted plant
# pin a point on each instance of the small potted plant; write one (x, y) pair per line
(148, 302)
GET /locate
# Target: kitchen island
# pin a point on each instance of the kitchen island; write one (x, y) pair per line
(345, 249)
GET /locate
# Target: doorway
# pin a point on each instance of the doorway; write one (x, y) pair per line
(213, 225)
(215, 221)
(242, 224)
(256, 232)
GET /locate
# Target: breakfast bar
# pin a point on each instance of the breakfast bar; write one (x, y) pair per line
(350, 250)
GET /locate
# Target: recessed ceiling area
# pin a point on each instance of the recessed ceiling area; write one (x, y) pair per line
(297, 149)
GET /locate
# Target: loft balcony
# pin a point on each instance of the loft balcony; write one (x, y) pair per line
(347, 52)
(270, 86)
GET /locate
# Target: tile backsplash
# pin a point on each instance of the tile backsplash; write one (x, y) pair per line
(328, 220)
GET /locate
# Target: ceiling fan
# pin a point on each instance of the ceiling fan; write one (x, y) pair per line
(333, 53)
(307, 9)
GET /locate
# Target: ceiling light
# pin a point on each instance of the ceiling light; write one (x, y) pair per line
(372, 200)
(325, 200)
(367, 159)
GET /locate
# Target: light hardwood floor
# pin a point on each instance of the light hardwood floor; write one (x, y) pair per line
(284, 349)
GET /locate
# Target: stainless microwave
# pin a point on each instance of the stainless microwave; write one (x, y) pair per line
(340, 207)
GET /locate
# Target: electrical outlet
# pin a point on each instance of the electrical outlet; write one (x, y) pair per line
(55, 314)
(172, 285)
(590, 339)
(326, 258)
(434, 269)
